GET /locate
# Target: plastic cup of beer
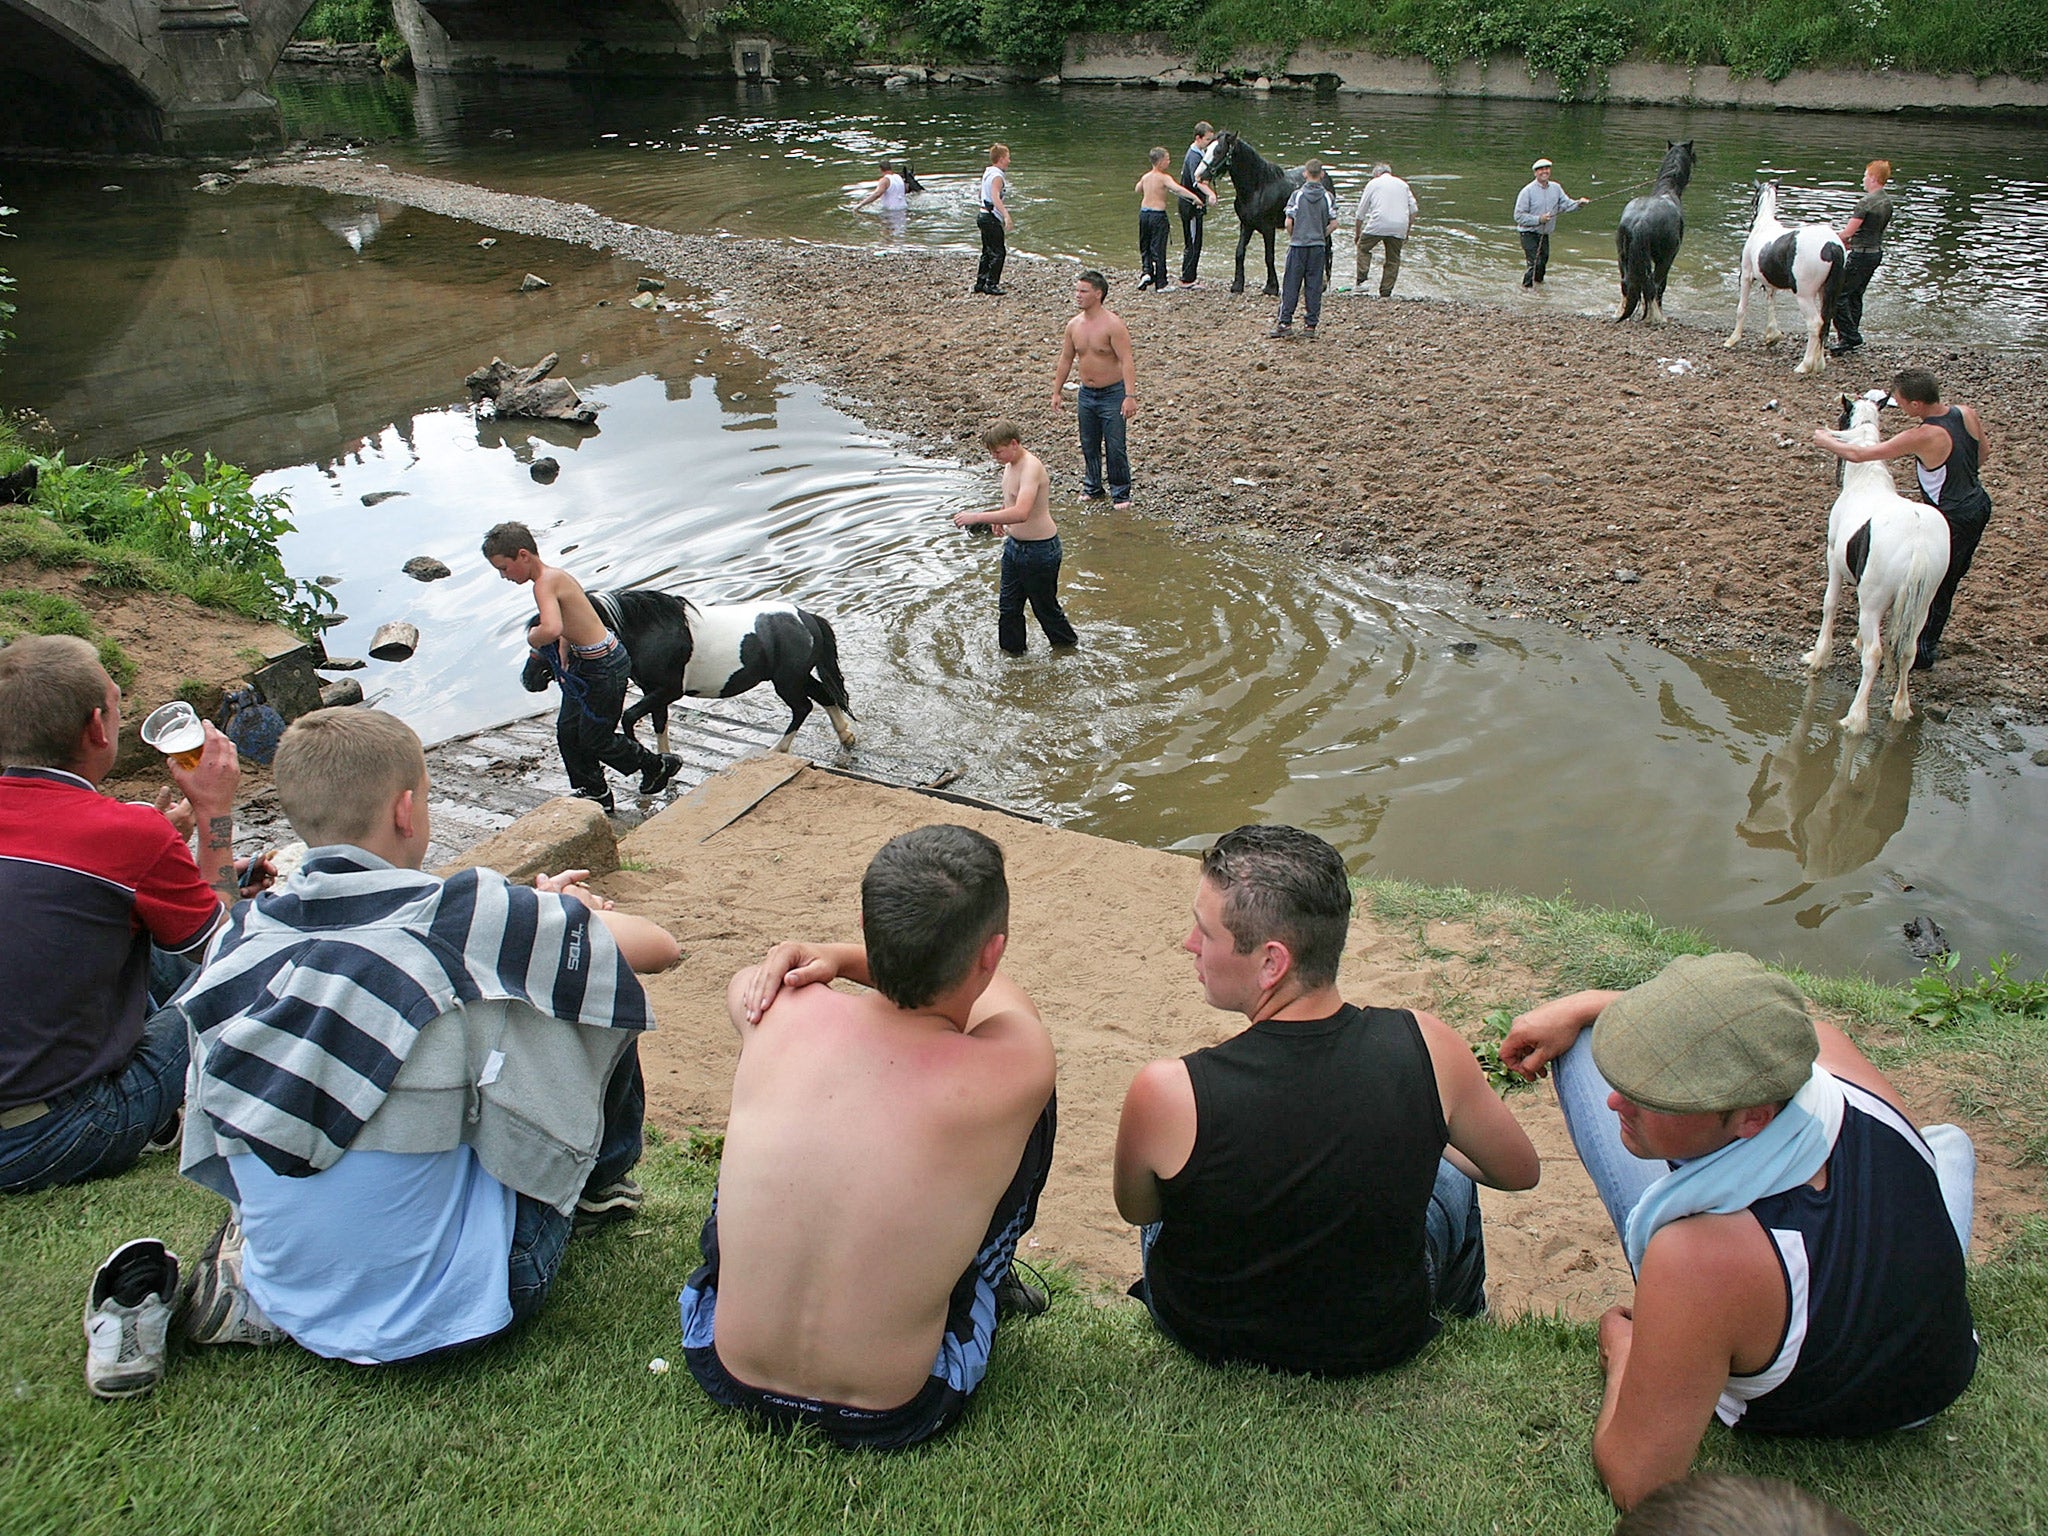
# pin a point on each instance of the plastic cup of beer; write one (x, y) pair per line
(175, 730)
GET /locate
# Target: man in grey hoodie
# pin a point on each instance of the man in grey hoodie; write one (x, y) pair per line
(1311, 215)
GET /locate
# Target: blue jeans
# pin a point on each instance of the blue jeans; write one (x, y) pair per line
(1620, 1176)
(99, 1129)
(587, 727)
(1453, 1248)
(540, 1232)
(1102, 427)
(1031, 572)
(1304, 265)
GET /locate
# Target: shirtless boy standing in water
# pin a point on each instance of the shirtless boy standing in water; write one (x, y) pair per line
(1098, 341)
(1031, 553)
(590, 664)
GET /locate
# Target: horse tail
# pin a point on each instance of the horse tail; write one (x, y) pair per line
(1909, 609)
(1831, 285)
(827, 665)
(1638, 274)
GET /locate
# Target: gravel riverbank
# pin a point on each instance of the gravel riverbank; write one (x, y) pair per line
(1552, 462)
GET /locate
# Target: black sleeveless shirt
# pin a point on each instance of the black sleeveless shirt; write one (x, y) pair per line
(1293, 1238)
(1952, 485)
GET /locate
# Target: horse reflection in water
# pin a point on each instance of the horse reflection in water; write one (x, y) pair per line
(1832, 799)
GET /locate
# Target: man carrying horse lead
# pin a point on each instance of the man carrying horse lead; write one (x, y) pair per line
(1536, 211)
(1194, 215)
(590, 664)
(1948, 446)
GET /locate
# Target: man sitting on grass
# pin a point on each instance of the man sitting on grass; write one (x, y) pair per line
(1305, 1189)
(403, 1084)
(1798, 1246)
(96, 891)
(884, 1154)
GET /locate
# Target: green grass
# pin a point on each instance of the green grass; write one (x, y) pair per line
(1088, 1421)
(209, 536)
(26, 612)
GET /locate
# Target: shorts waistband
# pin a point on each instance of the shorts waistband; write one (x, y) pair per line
(602, 648)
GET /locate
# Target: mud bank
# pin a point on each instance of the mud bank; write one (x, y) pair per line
(1550, 462)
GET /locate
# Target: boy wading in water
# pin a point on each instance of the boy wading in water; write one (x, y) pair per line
(1152, 188)
(590, 664)
(1031, 553)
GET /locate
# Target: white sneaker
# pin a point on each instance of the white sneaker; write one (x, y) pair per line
(221, 1311)
(128, 1319)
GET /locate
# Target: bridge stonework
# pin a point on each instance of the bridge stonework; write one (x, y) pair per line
(125, 74)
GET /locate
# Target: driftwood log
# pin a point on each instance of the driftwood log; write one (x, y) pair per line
(530, 392)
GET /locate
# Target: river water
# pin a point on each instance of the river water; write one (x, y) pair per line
(322, 342)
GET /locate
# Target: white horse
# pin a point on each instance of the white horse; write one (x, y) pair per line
(1806, 262)
(1893, 550)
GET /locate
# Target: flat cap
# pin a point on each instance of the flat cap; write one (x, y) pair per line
(1709, 1033)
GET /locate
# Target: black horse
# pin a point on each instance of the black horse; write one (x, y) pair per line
(1263, 189)
(715, 651)
(1646, 243)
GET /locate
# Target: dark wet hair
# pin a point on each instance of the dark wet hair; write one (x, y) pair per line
(1100, 282)
(1917, 385)
(507, 540)
(929, 900)
(1286, 884)
(1716, 1504)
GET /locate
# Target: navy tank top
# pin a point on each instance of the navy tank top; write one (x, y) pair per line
(1293, 1238)
(1877, 1332)
(1952, 485)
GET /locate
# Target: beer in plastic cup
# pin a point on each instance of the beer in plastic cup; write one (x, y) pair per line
(175, 731)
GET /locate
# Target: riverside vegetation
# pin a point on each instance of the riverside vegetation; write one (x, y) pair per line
(1088, 1420)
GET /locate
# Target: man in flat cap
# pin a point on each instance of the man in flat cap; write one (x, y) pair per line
(1797, 1244)
(1536, 209)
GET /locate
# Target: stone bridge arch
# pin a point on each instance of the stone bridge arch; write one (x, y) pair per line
(128, 74)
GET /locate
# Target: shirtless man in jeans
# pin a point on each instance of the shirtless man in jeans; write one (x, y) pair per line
(1098, 342)
(1031, 553)
(883, 1156)
(590, 664)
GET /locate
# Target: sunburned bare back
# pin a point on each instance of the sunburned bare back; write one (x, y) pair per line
(866, 1151)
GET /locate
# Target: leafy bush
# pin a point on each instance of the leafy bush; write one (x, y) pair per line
(1940, 1001)
(354, 21)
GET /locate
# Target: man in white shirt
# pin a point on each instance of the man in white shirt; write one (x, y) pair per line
(1385, 215)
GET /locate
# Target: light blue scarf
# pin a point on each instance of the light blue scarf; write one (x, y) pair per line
(1784, 1154)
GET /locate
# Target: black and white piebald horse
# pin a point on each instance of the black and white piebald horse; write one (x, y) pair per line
(1646, 241)
(1263, 189)
(1893, 551)
(1805, 262)
(714, 651)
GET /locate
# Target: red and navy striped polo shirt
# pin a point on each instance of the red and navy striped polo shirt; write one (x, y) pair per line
(85, 883)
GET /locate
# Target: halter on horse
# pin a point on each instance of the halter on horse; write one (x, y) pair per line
(1647, 240)
(1893, 551)
(1806, 262)
(1263, 189)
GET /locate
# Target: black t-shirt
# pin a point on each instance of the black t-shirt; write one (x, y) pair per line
(1293, 1238)
(1875, 210)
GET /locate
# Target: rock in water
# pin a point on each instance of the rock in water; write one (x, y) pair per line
(426, 568)
(651, 285)
(529, 391)
(341, 693)
(530, 283)
(545, 470)
(1925, 938)
(395, 641)
(643, 301)
(378, 498)
(342, 664)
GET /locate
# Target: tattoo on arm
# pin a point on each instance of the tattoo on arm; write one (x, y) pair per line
(220, 829)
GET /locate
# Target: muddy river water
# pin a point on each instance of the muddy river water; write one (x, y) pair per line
(323, 342)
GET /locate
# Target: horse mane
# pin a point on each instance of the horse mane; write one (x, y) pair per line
(1674, 174)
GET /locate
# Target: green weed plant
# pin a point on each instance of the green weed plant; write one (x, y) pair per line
(1941, 1002)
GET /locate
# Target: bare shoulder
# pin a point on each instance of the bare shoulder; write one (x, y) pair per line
(1160, 1088)
(1710, 1260)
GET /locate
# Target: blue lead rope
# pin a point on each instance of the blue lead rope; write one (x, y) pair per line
(574, 689)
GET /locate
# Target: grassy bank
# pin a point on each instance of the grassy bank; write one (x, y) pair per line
(1087, 1421)
(1577, 39)
(157, 528)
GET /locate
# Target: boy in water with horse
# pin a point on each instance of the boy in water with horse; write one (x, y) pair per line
(1152, 188)
(1031, 553)
(1947, 446)
(590, 664)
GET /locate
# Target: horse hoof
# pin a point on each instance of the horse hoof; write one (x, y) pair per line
(1854, 724)
(1732, 341)
(1813, 661)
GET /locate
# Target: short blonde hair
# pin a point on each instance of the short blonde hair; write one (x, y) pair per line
(996, 152)
(49, 687)
(338, 770)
